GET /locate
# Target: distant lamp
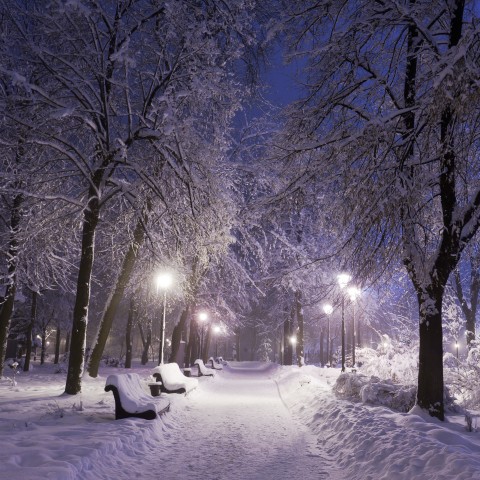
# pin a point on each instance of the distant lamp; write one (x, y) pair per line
(328, 309)
(163, 281)
(343, 279)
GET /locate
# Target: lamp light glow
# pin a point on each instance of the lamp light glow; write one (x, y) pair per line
(328, 309)
(343, 279)
(163, 281)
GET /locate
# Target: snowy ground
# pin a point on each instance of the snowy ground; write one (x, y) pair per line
(252, 421)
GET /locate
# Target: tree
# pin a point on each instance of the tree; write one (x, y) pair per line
(386, 133)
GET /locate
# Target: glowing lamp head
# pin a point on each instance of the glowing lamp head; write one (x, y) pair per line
(163, 281)
(354, 293)
(217, 329)
(343, 279)
(328, 309)
(202, 316)
(293, 340)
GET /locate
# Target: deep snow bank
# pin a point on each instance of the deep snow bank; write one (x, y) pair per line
(374, 442)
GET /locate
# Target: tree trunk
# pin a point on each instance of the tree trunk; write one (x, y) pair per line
(67, 342)
(115, 298)
(29, 334)
(82, 299)
(57, 345)
(470, 312)
(146, 342)
(43, 348)
(128, 334)
(177, 333)
(12, 261)
(237, 344)
(192, 347)
(208, 341)
(430, 371)
(300, 322)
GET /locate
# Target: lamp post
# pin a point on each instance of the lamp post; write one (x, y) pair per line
(203, 317)
(343, 280)
(328, 309)
(164, 281)
(354, 292)
(456, 346)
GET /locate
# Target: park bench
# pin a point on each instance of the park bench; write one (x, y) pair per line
(202, 369)
(131, 400)
(172, 378)
(214, 364)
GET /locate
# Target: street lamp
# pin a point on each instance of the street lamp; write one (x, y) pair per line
(343, 280)
(354, 292)
(328, 309)
(203, 317)
(163, 281)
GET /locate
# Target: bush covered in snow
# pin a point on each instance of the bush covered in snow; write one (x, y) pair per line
(390, 361)
(376, 392)
(463, 377)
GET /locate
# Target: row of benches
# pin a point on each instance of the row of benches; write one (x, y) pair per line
(131, 400)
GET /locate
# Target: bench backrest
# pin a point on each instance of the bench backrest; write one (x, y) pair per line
(216, 365)
(201, 366)
(130, 389)
(170, 372)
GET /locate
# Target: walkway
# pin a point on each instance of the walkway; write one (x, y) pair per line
(234, 427)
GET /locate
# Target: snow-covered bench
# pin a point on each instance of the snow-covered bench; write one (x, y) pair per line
(131, 400)
(214, 364)
(202, 369)
(172, 378)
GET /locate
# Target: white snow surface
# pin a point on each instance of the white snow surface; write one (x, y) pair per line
(251, 421)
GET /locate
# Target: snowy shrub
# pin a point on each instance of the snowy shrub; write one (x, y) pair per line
(390, 361)
(463, 377)
(372, 390)
(397, 397)
(113, 362)
(348, 385)
(55, 410)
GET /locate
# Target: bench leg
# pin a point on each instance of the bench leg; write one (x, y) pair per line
(155, 390)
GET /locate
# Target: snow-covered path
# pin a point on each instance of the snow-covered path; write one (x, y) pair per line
(253, 421)
(235, 427)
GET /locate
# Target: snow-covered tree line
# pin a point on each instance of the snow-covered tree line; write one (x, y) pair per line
(121, 155)
(116, 125)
